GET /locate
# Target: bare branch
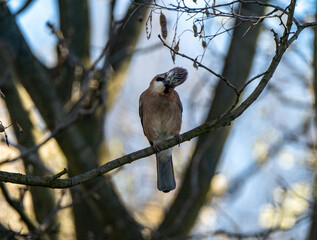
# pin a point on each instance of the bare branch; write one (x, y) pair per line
(61, 127)
(221, 121)
(66, 52)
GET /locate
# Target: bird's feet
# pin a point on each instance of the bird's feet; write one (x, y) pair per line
(178, 139)
(156, 147)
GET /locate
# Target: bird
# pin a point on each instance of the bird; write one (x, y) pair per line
(160, 111)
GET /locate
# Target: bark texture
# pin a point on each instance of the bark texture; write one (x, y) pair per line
(50, 89)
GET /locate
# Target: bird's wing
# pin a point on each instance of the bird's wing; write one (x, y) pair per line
(178, 101)
(141, 109)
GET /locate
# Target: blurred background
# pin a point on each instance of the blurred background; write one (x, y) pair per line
(254, 179)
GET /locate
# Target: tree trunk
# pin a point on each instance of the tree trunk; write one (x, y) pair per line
(43, 198)
(312, 235)
(101, 215)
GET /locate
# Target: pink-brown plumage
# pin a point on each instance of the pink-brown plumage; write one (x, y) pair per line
(161, 117)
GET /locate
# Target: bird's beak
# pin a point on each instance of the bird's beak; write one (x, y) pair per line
(166, 82)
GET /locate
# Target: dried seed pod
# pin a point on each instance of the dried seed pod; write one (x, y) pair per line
(195, 30)
(201, 33)
(195, 1)
(176, 48)
(163, 24)
(204, 44)
(148, 26)
(173, 57)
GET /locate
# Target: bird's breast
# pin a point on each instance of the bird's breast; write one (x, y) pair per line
(165, 118)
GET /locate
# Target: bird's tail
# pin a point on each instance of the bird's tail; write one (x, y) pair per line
(165, 173)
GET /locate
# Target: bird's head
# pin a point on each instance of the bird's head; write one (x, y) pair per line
(169, 80)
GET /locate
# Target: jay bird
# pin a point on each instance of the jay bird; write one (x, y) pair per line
(160, 110)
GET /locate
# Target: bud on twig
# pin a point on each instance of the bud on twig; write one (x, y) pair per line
(195, 30)
(2, 128)
(195, 63)
(2, 94)
(207, 12)
(20, 128)
(176, 48)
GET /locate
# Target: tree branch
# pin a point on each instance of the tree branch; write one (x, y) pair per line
(59, 128)
(222, 121)
(200, 65)
(24, 7)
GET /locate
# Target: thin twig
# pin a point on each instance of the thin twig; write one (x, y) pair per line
(24, 7)
(61, 127)
(199, 65)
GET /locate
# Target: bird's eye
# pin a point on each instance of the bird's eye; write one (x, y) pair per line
(159, 79)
